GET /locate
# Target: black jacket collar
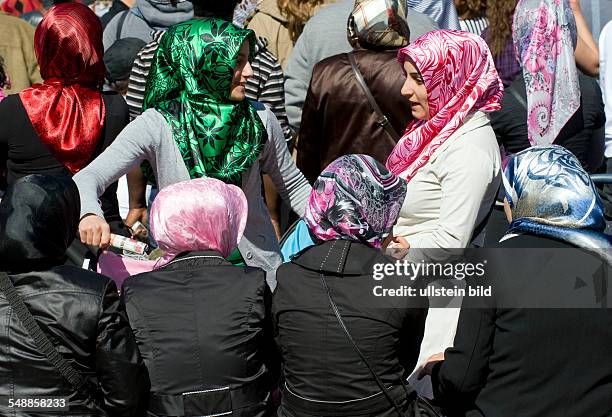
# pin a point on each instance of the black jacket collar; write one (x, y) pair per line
(196, 259)
(340, 257)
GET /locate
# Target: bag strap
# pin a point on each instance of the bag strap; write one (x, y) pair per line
(64, 367)
(120, 24)
(361, 355)
(384, 121)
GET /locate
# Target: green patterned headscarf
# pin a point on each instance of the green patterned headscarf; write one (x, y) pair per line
(189, 84)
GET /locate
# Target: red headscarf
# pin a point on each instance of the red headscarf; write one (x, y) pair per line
(67, 110)
(19, 7)
(460, 78)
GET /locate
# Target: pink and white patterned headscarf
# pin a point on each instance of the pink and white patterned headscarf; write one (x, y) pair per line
(544, 34)
(195, 215)
(355, 198)
(460, 77)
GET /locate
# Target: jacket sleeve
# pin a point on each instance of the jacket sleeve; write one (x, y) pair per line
(458, 379)
(29, 57)
(297, 78)
(311, 134)
(121, 372)
(276, 162)
(133, 145)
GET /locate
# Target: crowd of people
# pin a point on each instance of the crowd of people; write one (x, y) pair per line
(153, 152)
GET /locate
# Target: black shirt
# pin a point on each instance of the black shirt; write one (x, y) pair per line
(23, 153)
(530, 362)
(581, 135)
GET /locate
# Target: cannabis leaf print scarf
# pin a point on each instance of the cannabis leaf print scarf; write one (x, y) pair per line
(189, 84)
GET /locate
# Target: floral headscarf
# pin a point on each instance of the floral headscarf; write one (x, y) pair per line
(544, 33)
(200, 214)
(552, 195)
(355, 198)
(460, 77)
(189, 84)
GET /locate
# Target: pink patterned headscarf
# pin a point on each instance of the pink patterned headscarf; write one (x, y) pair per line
(355, 198)
(545, 35)
(200, 214)
(460, 77)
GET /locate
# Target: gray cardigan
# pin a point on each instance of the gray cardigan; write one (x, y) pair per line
(149, 138)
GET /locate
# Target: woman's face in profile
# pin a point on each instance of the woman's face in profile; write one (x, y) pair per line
(242, 73)
(416, 93)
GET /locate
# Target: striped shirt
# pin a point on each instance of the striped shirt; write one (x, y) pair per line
(265, 86)
(443, 12)
(476, 25)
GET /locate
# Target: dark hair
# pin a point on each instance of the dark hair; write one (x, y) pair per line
(222, 9)
(500, 14)
(471, 9)
(3, 76)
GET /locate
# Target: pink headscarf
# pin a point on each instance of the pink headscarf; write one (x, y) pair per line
(460, 77)
(200, 214)
(194, 215)
(545, 36)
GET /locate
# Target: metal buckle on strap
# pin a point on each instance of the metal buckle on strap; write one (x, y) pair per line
(383, 122)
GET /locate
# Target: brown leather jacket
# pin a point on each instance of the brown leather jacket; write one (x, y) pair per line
(337, 119)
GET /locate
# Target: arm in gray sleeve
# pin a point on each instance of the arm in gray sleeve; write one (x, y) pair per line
(276, 162)
(134, 144)
(297, 79)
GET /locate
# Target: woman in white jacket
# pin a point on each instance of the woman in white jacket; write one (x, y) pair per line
(448, 155)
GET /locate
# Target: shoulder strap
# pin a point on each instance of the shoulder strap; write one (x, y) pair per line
(361, 355)
(384, 121)
(120, 24)
(42, 342)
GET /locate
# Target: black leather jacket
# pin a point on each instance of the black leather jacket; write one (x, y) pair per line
(79, 310)
(81, 314)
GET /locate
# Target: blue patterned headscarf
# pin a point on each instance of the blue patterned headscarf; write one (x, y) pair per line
(552, 195)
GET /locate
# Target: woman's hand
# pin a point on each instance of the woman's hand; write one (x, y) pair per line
(427, 369)
(137, 215)
(94, 231)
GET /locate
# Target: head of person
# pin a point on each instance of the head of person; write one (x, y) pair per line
(204, 214)
(545, 36)
(208, 57)
(215, 8)
(378, 25)
(39, 216)
(450, 74)
(118, 60)
(355, 198)
(548, 193)
(471, 9)
(197, 82)
(68, 46)
(297, 13)
(499, 32)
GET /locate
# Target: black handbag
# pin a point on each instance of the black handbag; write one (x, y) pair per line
(420, 407)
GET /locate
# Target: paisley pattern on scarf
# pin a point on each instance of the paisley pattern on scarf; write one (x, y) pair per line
(460, 78)
(189, 84)
(545, 36)
(355, 198)
(551, 195)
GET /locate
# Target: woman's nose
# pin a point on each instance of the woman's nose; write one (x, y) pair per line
(407, 90)
(247, 72)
